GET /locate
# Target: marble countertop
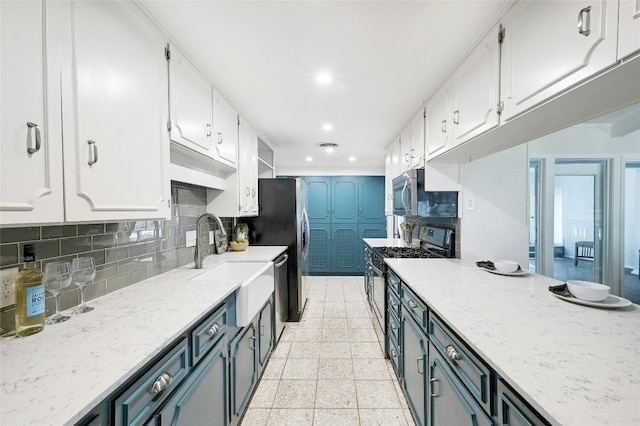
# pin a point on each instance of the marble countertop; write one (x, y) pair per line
(56, 376)
(385, 242)
(575, 364)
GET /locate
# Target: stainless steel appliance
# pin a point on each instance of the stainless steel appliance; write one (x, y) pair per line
(281, 293)
(436, 243)
(282, 221)
(411, 199)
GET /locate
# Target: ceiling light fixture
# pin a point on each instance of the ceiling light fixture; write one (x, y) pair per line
(327, 127)
(309, 159)
(352, 158)
(324, 78)
(328, 147)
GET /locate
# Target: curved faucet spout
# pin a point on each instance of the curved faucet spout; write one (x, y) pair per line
(199, 254)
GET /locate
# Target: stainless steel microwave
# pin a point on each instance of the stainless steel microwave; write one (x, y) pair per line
(411, 199)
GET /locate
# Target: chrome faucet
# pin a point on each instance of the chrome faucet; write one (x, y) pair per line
(199, 255)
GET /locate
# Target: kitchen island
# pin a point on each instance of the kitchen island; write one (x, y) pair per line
(57, 376)
(574, 364)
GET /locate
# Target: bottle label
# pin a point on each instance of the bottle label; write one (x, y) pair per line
(35, 300)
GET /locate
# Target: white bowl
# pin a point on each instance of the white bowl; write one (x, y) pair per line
(586, 290)
(506, 265)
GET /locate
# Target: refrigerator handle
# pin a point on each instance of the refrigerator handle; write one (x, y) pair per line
(305, 231)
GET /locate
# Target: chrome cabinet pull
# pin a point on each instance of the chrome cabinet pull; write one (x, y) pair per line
(161, 383)
(431, 392)
(456, 116)
(418, 362)
(213, 330)
(393, 304)
(453, 354)
(284, 260)
(252, 343)
(30, 149)
(412, 304)
(253, 192)
(93, 152)
(393, 353)
(219, 138)
(394, 326)
(584, 21)
(247, 191)
(208, 130)
(444, 126)
(262, 329)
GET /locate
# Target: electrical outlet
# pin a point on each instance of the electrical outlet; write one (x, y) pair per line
(191, 238)
(471, 203)
(8, 286)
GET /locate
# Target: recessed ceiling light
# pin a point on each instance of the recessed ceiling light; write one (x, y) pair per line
(327, 127)
(324, 77)
(309, 159)
(352, 158)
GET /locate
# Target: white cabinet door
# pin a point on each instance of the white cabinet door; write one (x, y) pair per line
(438, 122)
(628, 28)
(191, 104)
(405, 148)
(550, 46)
(416, 153)
(30, 157)
(225, 122)
(116, 144)
(248, 170)
(389, 174)
(477, 84)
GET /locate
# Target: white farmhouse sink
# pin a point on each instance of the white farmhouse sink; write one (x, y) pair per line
(257, 285)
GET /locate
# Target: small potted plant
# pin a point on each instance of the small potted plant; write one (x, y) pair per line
(240, 239)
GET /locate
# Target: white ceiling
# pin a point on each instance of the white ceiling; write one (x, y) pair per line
(386, 58)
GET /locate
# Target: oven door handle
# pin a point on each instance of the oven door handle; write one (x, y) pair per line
(377, 271)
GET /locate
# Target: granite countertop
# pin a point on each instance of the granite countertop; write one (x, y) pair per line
(56, 376)
(575, 364)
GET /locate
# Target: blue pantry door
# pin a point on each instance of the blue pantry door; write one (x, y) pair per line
(318, 199)
(371, 200)
(319, 257)
(345, 248)
(344, 199)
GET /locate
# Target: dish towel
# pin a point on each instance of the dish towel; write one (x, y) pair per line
(561, 290)
(486, 264)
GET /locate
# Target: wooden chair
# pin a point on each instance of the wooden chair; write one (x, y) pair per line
(584, 250)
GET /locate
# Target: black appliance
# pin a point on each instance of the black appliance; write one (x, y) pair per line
(282, 221)
(411, 199)
(436, 243)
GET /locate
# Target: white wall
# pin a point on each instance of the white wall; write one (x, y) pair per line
(497, 228)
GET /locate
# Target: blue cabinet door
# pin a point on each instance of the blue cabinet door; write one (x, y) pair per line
(344, 199)
(203, 398)
(371, 199)
(318, 199)
(244, 370)
(265, 333)
(414, 363)
(346, 248)
(319, 257)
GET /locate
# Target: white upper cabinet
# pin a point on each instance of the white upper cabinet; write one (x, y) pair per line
(416, 152)
(114, 115)
(392, 169)
(628, 28)
(438, 122)
(30, 140)
(550, 46)
(191, 105)
(225, 125)
(247, 169)
(476, 85)
(405, 148)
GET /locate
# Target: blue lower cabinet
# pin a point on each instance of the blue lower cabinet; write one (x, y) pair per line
(369, 230)
(203, 398)
(346, 248)
(414, 362)
(266, 334)
(449, 402)
(244, 370)
(319, 257)
(513, 411)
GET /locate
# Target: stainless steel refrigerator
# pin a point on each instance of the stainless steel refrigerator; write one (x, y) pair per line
(282, 221)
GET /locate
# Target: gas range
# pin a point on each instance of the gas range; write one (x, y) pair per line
(409, 252)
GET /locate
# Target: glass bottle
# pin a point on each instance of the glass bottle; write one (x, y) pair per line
(30, 296)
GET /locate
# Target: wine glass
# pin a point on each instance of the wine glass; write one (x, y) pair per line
(57, 277)
(83, 270)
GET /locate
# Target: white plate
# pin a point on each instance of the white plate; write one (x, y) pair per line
(518, 273)
(611, 302)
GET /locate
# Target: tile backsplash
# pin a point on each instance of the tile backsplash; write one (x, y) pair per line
(124, 252)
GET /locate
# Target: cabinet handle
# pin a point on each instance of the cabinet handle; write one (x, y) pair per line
(262, 329)
(252, 343)
(431, 392)
(390, 197)
(412, 156)
(253, 192)
(247, 192)
(584, 21)
(394, 326)
(412, 304)
(444, 126)
(219, 138)
(418, 362)
(161, 383)
(453, 354)
(208, 129)
(93, 152)
(213, 330)
(31, 150)
(406, 157)
(393, 304)
(456, 117)
(393, 353)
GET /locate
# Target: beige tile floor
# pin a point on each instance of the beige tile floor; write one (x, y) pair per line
(329, 369)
